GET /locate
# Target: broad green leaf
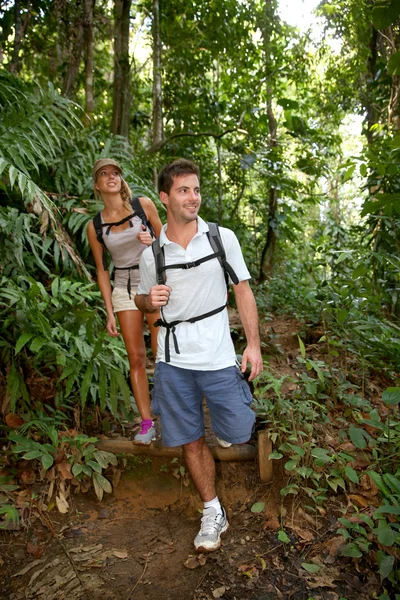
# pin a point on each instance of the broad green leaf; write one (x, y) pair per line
(113, 392)
(87, 470)
(87, 380)
(380, 484)
(32, 454)
(321, 454)
(363, 170)
(384, 15)
(95, 466)
(103, 482)
(358, 271)
(283, 537)
(386, 536)
(12, 173)
(275, 455)
(101, 459)
(47, 461)
(391, 396)
(22, 179)
(77, 469)
(393, 482)
(351, 474)
(342, 315)
(258, 507)
(302, 347)
(342, 257)
(358, 436)
(311, 567)
(386, 509)
(351, 550)
(291, 465)
(97, 488)
(22, 340)
(37, 344)
(3, 164)
(124, 389)
(386, 566)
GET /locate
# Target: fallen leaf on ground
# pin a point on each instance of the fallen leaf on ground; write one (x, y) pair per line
(272, 524)
(62, 503)
(195, 561)
(64, 468)
(120, 553)
(219, 592)
(304, 534)
(361, 501)
(14, 420)
(27, 477)
(36, 551)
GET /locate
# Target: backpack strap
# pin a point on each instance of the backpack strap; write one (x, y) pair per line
(138, 210)
(159, 258)
(214, 237)
(98, 227)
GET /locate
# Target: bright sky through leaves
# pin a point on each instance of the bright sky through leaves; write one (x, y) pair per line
(298, 13)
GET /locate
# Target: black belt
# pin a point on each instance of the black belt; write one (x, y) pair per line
(171, 327)
(128, 285)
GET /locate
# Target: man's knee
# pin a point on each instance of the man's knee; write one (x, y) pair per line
(194, 449)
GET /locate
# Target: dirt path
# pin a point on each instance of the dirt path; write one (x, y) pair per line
(138, 543)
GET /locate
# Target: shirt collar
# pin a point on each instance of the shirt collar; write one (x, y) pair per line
(202, 227)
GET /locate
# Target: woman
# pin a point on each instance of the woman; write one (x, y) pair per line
(125, 236)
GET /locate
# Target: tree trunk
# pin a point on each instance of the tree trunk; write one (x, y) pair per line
(120, 123)
(158, 127)
(20, 29)
(372, 115)
(15, 61)
(89, 60)
(268, 252)
(75, 45)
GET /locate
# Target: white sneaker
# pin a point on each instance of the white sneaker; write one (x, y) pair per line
(213, 524)
(223, 443)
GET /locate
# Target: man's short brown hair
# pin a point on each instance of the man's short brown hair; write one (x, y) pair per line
(179, 167)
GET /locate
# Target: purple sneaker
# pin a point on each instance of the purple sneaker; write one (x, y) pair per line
(147, 433)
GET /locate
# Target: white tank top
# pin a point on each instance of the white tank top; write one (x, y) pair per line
(125, 250)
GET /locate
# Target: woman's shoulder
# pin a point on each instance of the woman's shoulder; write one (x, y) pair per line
(145, 201)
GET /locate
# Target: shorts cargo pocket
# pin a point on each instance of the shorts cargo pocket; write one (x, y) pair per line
(245, 388)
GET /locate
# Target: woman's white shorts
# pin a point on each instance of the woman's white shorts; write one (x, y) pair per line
(121, 301)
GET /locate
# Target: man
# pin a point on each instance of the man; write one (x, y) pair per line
(196, 356)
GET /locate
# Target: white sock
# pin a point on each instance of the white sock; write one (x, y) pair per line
(215, 503)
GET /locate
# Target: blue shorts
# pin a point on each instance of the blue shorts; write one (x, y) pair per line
(178, 398)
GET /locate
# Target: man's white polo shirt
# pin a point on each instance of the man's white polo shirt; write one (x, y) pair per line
(206, 344)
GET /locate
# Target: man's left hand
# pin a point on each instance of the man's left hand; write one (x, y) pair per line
(252, 356)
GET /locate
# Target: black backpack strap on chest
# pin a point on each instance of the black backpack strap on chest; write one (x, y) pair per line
(99, 226)
(214, 237)
(159, 259)
(215, 240)
(171, 327)
(138, 210)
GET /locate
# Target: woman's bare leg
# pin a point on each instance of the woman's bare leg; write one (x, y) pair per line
(131, 324)
(151, 319)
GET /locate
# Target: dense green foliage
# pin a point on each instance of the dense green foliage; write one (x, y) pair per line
(265, 110)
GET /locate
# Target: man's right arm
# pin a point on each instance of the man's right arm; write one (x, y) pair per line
(150, 297)
(155, 299)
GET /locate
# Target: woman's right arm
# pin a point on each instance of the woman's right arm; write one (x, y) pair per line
(103, 279)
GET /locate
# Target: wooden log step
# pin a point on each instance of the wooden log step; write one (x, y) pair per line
(244, 452)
